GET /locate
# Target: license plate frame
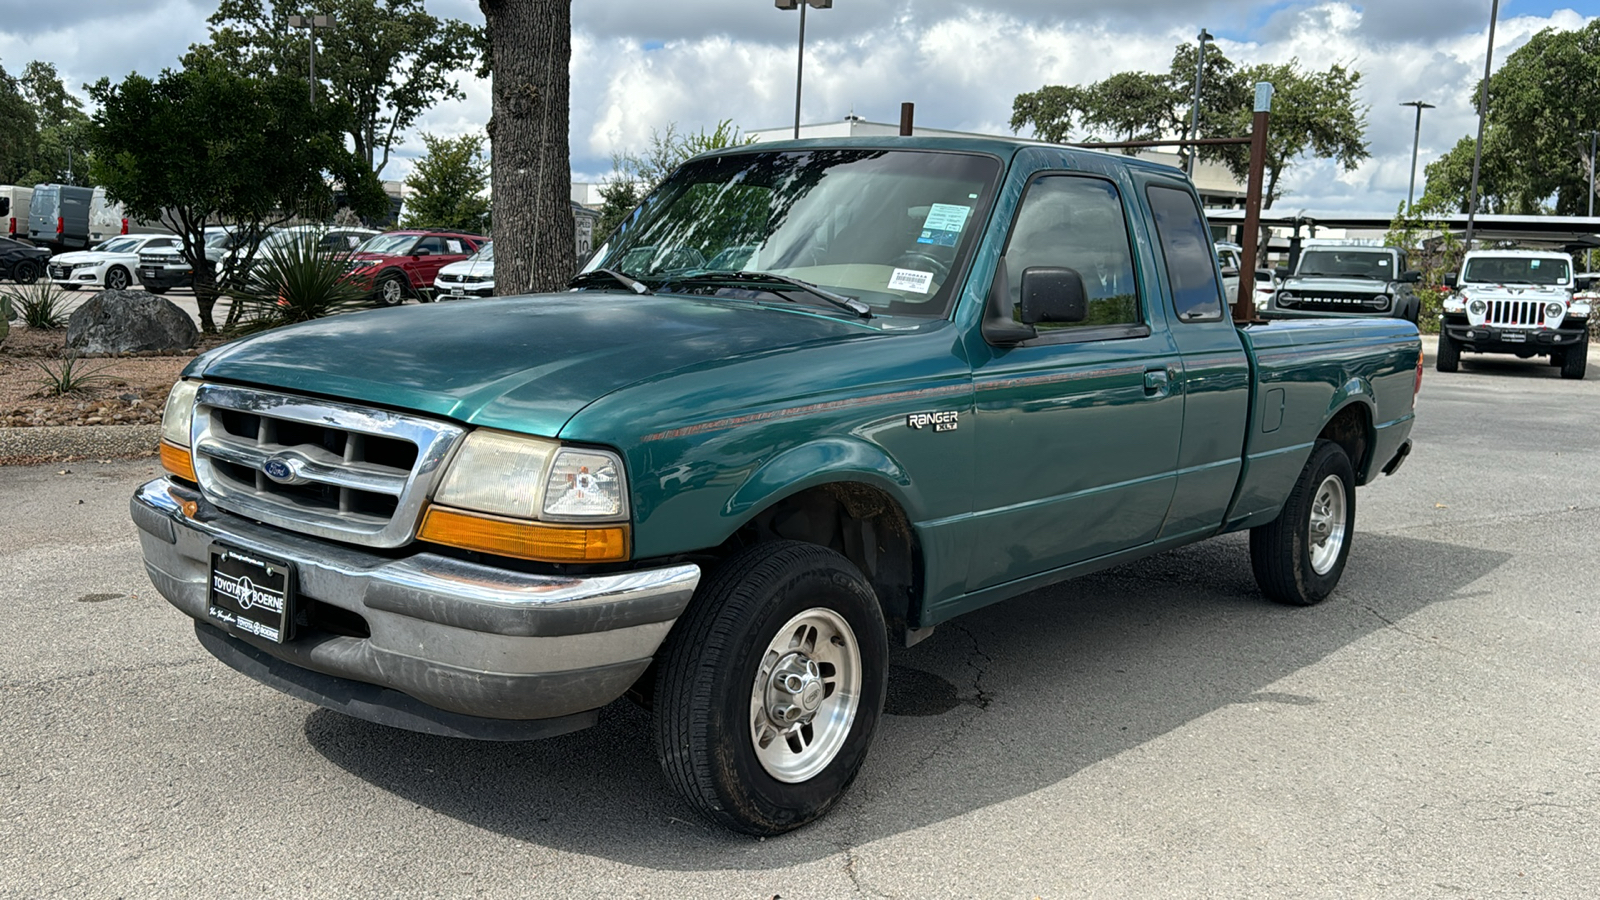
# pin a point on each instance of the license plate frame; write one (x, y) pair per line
(251, 593)
(1513, 337)
(458, 292)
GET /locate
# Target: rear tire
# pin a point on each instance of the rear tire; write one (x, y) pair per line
(770, 687)
(1575, 359)
(1298, 557)
(25, 272)
(1449, 358)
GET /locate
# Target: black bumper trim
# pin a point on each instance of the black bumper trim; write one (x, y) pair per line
(373, 703)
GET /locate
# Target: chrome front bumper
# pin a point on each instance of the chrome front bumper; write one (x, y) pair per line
(454, 648)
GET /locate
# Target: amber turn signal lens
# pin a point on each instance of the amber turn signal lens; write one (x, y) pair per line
(523, 539)
(177, 461)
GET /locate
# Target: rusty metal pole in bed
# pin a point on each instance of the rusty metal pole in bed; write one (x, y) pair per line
(1244, 306)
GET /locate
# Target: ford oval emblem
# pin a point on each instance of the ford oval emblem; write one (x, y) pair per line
(278, 469)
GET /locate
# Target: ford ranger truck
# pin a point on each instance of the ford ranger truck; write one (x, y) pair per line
(811, 398)
(1346, 280)
(1519, 302)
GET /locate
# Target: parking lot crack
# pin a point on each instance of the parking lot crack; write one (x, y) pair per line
(1392, 624)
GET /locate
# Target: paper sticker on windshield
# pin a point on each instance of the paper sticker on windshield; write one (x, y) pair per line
(943, 224)
(1533, 263)
(455, 245)
(910, 280)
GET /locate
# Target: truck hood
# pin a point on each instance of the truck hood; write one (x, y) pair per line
(1345, 285)
(524, 364)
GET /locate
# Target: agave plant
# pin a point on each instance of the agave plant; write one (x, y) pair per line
(70, 377)
(296, 282)
(40, 304)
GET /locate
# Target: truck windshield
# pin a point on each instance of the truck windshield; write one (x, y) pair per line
(891, 228)
(1517, 270)
(1377, 265)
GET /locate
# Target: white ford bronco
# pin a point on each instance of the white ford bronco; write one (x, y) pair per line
(1519, 302)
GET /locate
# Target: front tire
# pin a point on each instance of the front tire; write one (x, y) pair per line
(1575, 359)
(1449, 358)
(391, 290)
(1298, 557)
(770, 687)
(118, 279)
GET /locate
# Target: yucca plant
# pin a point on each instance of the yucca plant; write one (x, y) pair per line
(40, 305)
(297, 282)
(69, 376)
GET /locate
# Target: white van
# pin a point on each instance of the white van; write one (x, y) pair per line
(14, 203)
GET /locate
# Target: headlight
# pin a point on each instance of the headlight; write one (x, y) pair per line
(1454, 304)
(502, 489)
(1477, 307)
(1553, 310)
(176, 419)
(179, 412)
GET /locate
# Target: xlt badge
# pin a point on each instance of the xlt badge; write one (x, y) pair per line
(941, 421)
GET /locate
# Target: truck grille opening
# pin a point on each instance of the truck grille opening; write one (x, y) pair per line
(1523, 313)
(317, 467)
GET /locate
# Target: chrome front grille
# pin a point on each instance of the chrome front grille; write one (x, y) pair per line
(1516, 313)
(318, 467)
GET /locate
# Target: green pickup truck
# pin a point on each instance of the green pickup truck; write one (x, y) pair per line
(812, 398)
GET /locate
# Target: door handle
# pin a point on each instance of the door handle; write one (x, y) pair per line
(1157, 382)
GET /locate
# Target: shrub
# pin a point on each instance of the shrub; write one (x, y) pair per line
(69, 377)
(40, 305)
(297, 282)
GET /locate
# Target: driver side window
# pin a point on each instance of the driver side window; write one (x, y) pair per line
(1077, 223)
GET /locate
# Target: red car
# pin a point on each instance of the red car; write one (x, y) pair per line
(400, 264)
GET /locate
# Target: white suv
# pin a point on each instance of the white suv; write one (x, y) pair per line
(1519, 302)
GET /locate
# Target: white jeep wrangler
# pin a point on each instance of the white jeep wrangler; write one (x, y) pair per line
(1519, 302)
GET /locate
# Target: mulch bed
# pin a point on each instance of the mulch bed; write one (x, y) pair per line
(132, 391)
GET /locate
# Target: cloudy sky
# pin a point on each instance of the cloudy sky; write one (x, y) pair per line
(640, 65)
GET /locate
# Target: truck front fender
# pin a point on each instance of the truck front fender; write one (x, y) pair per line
(823, 461)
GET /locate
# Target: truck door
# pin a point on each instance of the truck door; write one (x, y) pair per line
(1215, 377)
(1077, 429)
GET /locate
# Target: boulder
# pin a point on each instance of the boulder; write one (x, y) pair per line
(130, 322)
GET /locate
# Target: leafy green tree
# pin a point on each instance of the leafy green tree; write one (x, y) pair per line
(1137, 106)
(637, 174)
(1312, 113)
(385, 61)
(210, 144)
(449, 185)
(61, 147)
(18, 131)
(1543, 101)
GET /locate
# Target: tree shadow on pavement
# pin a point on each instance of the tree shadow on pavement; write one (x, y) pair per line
(995, 705)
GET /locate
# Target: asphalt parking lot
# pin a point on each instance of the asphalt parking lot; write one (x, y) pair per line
(1157, 730)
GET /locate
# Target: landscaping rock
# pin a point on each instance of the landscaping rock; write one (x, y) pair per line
(130, 322)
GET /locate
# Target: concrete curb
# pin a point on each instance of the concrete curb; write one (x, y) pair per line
(93, 441)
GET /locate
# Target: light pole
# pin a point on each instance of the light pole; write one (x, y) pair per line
(1483, 113)
(311, 24)
(1416, 141)
(1194, 111)
(800, 65)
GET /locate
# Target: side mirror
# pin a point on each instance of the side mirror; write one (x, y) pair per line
(1410, 277)
(1230, 272)
(422, 251)
(999, 328)
(1053, 294)
(1449, 280)
(1280, 272)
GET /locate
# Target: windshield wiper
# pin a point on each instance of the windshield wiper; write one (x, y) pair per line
(632, 284)
(848, 304)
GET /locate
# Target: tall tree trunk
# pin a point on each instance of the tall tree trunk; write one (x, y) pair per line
(531, 181)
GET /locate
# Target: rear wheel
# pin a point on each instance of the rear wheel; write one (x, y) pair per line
(25, 272)
(770, 686)
(1449, 358)
(1575, 359)
(1298, 557)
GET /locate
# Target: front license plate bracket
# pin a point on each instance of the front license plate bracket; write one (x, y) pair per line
(250, 593)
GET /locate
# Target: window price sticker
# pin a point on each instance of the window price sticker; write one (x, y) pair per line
(943, 224)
